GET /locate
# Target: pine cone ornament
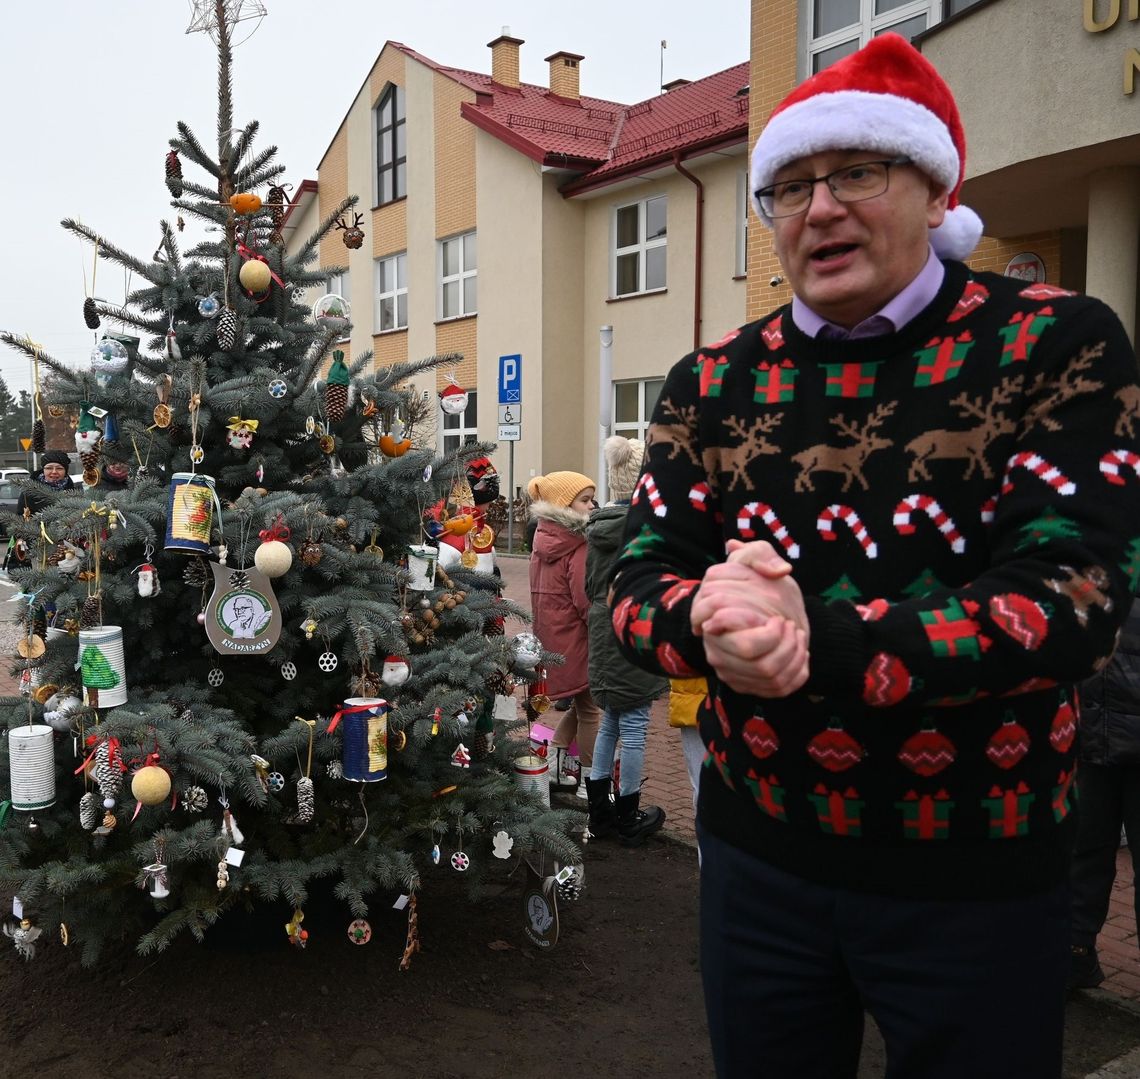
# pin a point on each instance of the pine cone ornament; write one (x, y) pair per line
(196, 575)
(174, 174)
(306, 804)
(90, 315)
(39, 437)
(90, 458)
(336, 388)
(89, 811)
(227, 328)
(275, 201)
(194, 800)
(105, 773)
(89, 615)
(335, 770)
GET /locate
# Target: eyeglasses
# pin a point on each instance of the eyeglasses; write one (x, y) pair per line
(852, 183)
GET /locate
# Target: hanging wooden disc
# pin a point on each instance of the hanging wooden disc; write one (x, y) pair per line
(31, 647)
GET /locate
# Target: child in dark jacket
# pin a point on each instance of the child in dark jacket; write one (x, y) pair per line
(624, 691)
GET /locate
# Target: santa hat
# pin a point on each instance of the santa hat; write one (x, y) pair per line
(886, 97)
(623, 465)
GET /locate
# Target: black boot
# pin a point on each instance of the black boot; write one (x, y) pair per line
(635, 825)
(603, 819)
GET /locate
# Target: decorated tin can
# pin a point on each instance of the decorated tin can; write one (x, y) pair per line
(31, 762)
(102, 666)
(190, 512)
(364, 755)
(532, 774)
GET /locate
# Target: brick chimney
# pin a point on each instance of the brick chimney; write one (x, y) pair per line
(505, 59)
(564, 74)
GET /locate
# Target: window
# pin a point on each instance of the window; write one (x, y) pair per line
(391, 293)
(461, 429)
(633, 405)
(391, 147)
(955, 7)
(639, 246)
(458, 291)
(741, 224)
(839, 27)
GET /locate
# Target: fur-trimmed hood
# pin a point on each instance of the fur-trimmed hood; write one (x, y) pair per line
(559, 531)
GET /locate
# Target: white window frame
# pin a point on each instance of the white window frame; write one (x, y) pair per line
(742, 202)
(465, 274)
(641, 247)
(399, 263)
(868, 26)
(462, 431)
(341, 284)
(639, 427)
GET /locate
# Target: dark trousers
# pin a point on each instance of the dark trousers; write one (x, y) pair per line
(971, 988)
(1109, 797)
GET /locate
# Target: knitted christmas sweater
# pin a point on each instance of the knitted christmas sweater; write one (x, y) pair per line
(960, 503)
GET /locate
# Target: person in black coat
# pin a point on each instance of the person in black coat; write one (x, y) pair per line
(1108, 789)
(53, 473)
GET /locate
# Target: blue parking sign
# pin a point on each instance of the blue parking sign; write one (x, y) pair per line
(510, 379)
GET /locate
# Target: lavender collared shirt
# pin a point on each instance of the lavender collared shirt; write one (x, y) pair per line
(893, 316)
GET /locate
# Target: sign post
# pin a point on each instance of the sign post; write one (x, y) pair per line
(510, 428)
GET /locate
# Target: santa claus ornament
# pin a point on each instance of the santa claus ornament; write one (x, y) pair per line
(396, 671)
(453, 399)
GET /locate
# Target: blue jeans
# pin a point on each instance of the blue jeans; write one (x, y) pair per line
(631, 726)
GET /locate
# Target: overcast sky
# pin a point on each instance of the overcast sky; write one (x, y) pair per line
(90, 92)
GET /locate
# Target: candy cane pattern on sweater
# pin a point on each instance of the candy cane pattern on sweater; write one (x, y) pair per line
(764, 512)
(942, 520)
(1110, 465)
(1042, 470)
(834, 512)
(647, 485)
(699, 495)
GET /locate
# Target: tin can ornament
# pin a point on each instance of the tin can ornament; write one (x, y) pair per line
(364, 754)
(102, 666)
(190, 512)
(31, 764)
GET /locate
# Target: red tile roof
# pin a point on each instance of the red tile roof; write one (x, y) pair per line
(604, 139)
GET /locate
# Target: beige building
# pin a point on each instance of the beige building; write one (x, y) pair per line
(1049, 100)
(503, 219)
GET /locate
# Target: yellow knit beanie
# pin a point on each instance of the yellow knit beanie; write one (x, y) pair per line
(558, 488)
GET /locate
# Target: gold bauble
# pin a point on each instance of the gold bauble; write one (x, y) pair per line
(151, 785)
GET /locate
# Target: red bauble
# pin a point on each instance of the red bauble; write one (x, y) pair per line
(886, 681)
(1009, 743)
(1020, 618)
(1063, 729)
(927, 752)
(760, 737)
(835, 750)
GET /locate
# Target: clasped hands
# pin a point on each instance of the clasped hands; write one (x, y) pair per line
(749, 611)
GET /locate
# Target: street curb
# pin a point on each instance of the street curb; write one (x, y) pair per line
(1103, 996)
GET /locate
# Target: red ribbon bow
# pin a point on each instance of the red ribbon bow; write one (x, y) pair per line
(249, 255)
(276, 531)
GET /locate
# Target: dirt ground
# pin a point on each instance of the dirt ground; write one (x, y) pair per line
(621, 989)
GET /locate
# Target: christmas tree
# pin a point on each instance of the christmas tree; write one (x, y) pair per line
(295, 689)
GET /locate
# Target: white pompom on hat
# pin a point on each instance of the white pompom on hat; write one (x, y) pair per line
(623, 465)
(886, 97)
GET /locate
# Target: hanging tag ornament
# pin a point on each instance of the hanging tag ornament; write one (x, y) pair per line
(242, 615)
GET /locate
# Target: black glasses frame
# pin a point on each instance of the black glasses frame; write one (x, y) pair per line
(768, 193)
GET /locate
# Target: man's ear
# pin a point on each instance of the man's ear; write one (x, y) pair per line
(937, 201)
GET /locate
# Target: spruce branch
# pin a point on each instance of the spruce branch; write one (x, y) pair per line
(192, 149)
(310, 248)
(110, 251)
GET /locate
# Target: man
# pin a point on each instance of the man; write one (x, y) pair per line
(922, 478)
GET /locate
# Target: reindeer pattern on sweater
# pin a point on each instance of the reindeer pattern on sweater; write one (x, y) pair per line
(960, 503)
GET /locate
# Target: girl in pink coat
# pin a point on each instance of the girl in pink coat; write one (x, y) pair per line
(562, 503)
